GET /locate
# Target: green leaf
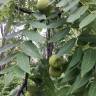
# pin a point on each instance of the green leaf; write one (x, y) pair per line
(15, 70)
(69, 75)
(18, 72)
(7, 70)
(76, 57)
(63, 91)
(6, 48)
(14, 91)
(92, 2)
(71, 5)
(39, 16)
(89, 60)
(87, 38)
(7, 59)
(87, 20)
(56, 23)
(8, 78)
(77, 14)
(62, 3)
(92, 90)
(79, 82)
(23, 62)
(30, 49)
(67, 47)
(60, 35)
(36, 24)
(34, 36)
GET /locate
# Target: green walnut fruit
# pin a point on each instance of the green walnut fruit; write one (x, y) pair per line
(54, 72)
(42, 4)
(55, 61)
(44, 7)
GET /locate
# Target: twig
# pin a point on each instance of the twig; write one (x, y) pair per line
(24, 85)
(49, 45)
(24, 10)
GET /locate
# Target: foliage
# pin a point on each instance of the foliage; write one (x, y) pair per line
(70, 34)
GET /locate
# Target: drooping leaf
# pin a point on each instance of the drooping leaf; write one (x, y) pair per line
(34, 36)
(67, 47)
(30, 49)
(79, 82)
(77, 14)
(76, 57)
(89, 60)
(87, 20)
(23, 62)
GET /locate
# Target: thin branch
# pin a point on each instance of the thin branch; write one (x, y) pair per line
(24, 10)
(24, 85)
(49, 45)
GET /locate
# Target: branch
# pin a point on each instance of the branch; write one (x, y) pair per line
(49, 45)
(24, 85)
(24, 10)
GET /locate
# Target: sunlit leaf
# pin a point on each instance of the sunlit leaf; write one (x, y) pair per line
(77, 14)
(88, 19)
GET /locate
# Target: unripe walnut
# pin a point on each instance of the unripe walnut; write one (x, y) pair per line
(54, 72)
